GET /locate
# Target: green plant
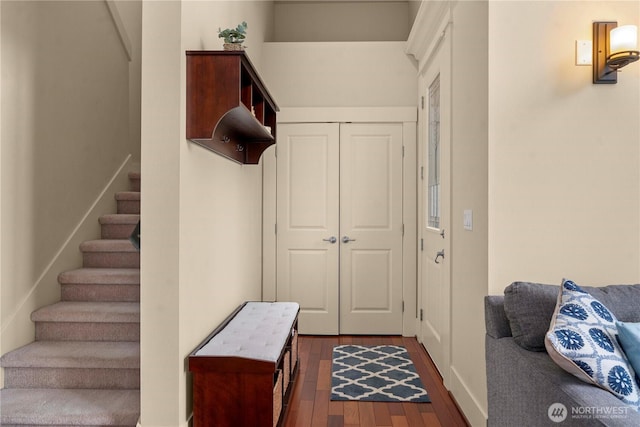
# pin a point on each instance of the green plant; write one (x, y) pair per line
(234, 35)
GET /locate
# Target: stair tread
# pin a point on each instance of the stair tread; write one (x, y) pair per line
(89, 311)
(128, 195)
(107, 245)
(119, 219)
(69, 407)
(101, 276)
(75, 354)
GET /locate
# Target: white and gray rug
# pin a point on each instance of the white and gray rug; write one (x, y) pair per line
(383, 373)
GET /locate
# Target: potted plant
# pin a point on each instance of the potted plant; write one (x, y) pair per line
(233, 37)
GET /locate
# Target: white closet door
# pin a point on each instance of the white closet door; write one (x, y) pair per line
(307, 223)
(339, 232)
(371, 229)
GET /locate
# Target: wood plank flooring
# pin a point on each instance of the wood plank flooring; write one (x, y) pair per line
(310, 403)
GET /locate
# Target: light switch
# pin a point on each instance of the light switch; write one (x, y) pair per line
(584, 52)
(468, 219)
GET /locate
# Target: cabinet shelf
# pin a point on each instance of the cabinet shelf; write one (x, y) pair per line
(229, 109)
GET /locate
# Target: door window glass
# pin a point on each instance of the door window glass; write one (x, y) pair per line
(433, 168)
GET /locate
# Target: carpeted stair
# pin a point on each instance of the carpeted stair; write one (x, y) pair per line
(84, 367)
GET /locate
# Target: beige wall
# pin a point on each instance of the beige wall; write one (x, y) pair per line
(414, 6)
(546, 160)
(64, 146)
(340, 74)
(469, 186)
(323, 21)
(130, 12)
(201, 212)
(563, 152)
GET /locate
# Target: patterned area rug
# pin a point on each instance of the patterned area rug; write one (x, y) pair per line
(381, 373)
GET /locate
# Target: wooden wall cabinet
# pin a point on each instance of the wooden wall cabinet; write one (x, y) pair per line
(229, 109)
(231, 390)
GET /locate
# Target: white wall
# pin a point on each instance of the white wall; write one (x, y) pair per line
(201, 212)
(65, 100)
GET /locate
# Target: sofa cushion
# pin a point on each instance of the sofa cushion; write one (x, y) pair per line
(629, 337)
(582, 341)
(529, 307)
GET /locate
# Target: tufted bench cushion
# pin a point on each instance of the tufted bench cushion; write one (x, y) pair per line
(259, 331)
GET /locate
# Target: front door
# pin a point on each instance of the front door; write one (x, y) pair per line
(434, 194)
(339, 226)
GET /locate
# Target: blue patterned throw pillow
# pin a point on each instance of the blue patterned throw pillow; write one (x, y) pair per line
(582, 341)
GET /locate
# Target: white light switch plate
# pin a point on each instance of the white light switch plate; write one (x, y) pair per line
(468, 219)
(584, 52)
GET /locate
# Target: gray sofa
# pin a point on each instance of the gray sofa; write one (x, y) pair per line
(523, 382)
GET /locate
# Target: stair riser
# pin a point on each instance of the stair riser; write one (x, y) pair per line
(111, 259)
(68, 331)
(72, 378)
(117, 231)
(134, 184)
(128, 206)
(76, 407)
(106, 293)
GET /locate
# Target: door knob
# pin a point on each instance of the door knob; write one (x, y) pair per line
(438, 255)
(346, 239)
(331, 239)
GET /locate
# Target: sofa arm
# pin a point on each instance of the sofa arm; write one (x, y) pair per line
(496, 322)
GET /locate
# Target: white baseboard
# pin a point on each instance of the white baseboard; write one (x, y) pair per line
(467, 402)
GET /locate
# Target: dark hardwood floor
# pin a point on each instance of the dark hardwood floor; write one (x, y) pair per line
(310, 403)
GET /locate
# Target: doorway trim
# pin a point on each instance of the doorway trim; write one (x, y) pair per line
(408, 116)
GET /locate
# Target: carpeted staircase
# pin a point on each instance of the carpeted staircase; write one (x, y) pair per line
(84, 367)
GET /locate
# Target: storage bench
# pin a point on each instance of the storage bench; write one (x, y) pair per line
(243, 371)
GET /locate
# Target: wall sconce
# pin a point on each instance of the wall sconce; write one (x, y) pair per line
(613, 48)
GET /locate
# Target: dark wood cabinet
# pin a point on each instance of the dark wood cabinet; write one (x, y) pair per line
(233, 388)
(229, 109)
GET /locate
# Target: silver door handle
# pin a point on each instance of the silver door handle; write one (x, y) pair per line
(331, 239)
(438, 255)
(346, 239)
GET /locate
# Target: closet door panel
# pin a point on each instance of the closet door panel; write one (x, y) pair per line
(307, 223)
(371, 228)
